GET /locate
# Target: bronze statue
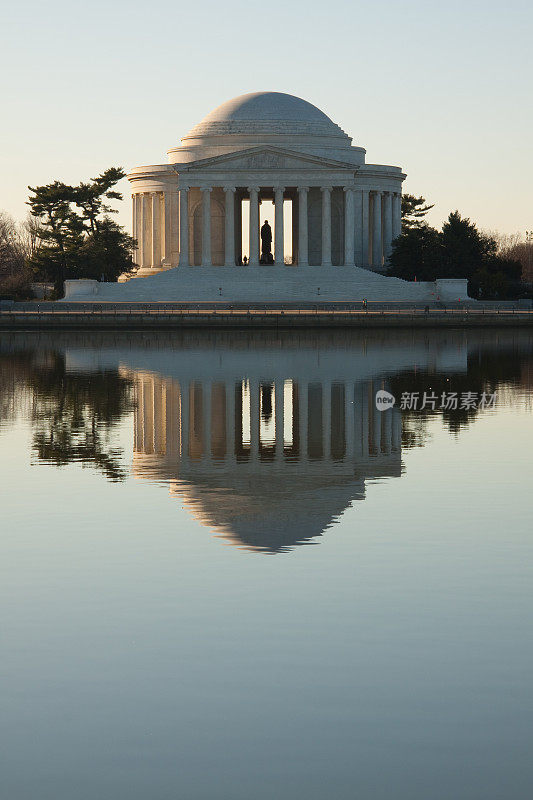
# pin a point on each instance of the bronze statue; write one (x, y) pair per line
(266, 244)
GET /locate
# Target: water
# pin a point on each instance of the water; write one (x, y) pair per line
(225, 574)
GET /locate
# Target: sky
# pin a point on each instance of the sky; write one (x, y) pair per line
(443, 90)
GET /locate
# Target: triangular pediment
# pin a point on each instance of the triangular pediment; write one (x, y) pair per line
(265, 158)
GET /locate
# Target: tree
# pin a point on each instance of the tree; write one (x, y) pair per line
(414, 209)
(417, 254)
(460, 250)
(78, 237)
(15, 277)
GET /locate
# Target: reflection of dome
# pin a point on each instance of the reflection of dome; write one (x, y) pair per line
(269, 515)
(266, 112)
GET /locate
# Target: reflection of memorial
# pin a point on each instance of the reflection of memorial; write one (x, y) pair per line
(267, 463)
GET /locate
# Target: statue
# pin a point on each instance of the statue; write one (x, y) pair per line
(266, 244)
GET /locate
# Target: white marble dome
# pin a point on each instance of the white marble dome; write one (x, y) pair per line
(266, 112)
(266, 118)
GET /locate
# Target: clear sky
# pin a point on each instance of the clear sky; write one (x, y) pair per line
(443, 90)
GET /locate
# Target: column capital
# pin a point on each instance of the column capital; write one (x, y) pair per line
(326, 188)
(206, 188)
(279, 188)
(230, 188)
(348, 188)
(302, 189)
(183, 187)
(253, 188)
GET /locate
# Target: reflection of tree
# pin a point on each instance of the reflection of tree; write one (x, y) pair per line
(73, 414)
(487, 371)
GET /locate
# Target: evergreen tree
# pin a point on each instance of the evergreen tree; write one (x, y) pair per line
(417, 254)
(78, 237)
(414, 209)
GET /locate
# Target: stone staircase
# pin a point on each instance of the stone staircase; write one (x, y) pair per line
(258, 284)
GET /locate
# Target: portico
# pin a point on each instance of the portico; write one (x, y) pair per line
(335, 223)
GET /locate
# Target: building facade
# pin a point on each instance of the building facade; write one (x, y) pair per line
(259, 147)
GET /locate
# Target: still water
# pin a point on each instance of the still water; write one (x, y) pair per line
(226, 574)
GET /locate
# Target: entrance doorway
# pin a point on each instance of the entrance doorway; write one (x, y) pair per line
(267, 213)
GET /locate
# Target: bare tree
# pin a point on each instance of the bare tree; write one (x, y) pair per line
(514, 246)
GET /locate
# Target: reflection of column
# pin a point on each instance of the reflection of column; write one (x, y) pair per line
(386, 437)
(303, 402)
(229, 230)
(184, 226)
(376, 230)
(230, 419)
(365, 426)
(376, 426)
(206, 226)
(349, 222)
(254, 225)
(184, 421)
(278, 411)
(396, 429)
(254, 417)
(207, 392)
(303, 247)
(326, 417)
(350, 419)
(326, 226)
(278, 226)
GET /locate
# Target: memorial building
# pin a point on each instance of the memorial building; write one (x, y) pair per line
(200, 221)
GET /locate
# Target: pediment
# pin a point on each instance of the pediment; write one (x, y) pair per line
(265, 158)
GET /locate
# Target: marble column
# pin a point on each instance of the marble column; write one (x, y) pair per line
(365, 227)
(184, 226)
(278, 226)
(254, 225)
(376, 231)
(166, 230)
(349, 226)
(326, 225)
(134, 225)
(387, 225)
(206, 226)
(156, 230)
(144, 226)
(303, 241)
(396, 214)
(358, 227)
(229, 227)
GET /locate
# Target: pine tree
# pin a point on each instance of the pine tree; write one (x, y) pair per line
(414, 209)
